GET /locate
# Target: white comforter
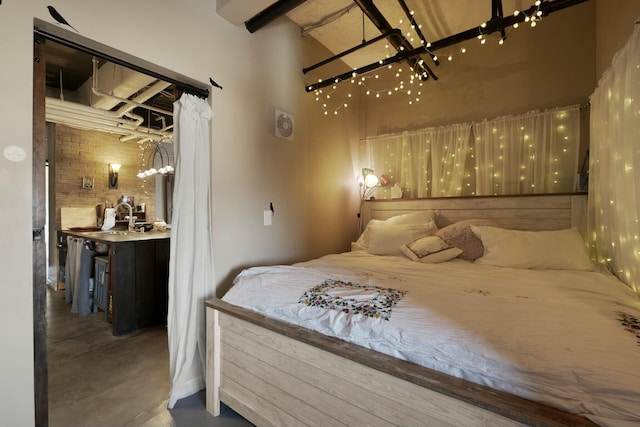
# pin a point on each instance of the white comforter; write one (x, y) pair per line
(549, 336)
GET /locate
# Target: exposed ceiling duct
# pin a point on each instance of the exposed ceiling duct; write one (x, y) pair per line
(86, 117)
(108, 106)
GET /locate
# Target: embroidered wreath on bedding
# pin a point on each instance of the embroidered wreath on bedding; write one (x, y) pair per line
(630, 323)
(353, 298)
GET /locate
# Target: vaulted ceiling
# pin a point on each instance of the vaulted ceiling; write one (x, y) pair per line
(375, 33)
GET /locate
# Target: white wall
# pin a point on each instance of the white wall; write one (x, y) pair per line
(252, 168)
(614, 25)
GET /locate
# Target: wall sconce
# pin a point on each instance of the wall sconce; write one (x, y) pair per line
(114, 168)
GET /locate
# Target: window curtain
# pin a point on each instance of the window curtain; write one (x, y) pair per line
(614, 174)
(404, 159)
(530, 153)
(409, 160)
(191, 278)
(449, 150)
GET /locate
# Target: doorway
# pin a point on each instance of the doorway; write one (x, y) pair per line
(45, 35)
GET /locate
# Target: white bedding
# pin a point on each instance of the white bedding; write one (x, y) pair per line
(547, 335)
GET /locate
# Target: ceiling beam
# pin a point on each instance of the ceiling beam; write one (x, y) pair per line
(493, 25)
(399, 42)
(496, 13)
(348, 51)
(416, 27)
(270, 14)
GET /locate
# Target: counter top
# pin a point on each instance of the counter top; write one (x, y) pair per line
(119, 236)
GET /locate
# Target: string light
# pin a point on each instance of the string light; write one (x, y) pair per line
(533, 18)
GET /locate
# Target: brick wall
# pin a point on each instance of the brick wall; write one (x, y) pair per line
(85, 153)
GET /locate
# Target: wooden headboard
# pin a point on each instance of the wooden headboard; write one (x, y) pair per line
(526, 212)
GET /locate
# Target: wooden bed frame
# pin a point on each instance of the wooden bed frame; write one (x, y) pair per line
(274, 373)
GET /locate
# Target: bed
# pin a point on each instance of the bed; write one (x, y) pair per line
(378, 337)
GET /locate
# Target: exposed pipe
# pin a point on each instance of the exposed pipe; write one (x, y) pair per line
(54, 104)
(92, 124)
(163, 129)
(136, 117)
(492, 26)
(327, 20)
(61, 87)
(149, 93)
(96, 91)
(271, 13)
(71, 113)
(50, 32)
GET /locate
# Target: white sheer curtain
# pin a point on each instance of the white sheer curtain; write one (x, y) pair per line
(614, 175)
(191, 278)
(530, 153)
(404, 158)
(449, 151)
(409, 160)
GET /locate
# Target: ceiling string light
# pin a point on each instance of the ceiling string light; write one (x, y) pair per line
(497, 23)
(406, 84)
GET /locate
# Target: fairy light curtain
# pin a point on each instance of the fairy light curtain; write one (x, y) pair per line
(531, 153)
(450, 153)
(409, 160)
(403, 159)
(614, 174)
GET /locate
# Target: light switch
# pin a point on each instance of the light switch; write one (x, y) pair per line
(267, 217)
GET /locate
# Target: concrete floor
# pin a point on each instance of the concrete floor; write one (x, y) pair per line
(96, 379)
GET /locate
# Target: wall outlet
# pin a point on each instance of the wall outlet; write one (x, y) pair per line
(267, 217)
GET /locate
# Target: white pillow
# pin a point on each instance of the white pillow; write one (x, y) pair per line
(363, 241)
(387, 239)
(430, 249)
(418, 217)
(554, 250)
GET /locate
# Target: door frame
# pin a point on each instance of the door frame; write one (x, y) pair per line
(40, 368)
(44, 31)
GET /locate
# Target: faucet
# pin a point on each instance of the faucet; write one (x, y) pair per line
(131, 221)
